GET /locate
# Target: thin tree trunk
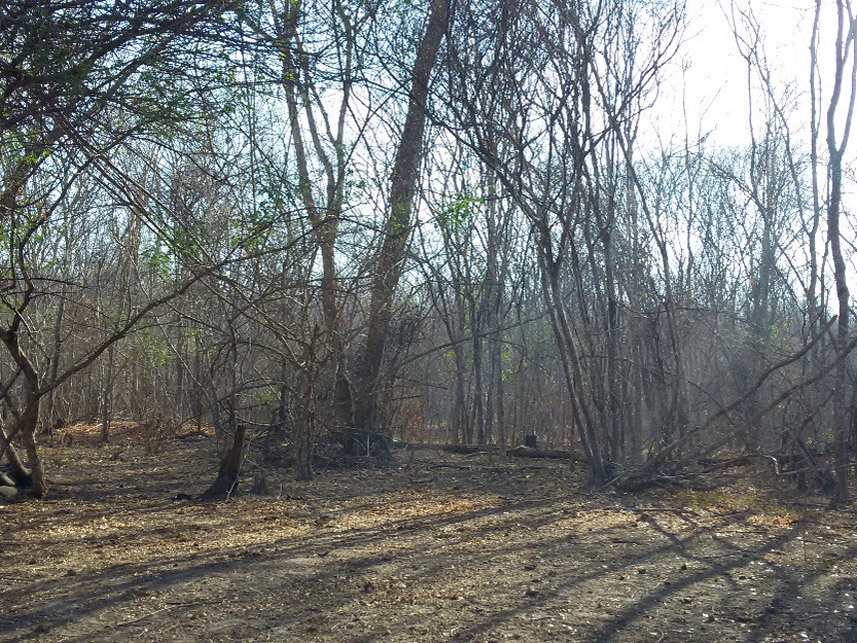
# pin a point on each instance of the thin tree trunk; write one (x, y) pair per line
(583, 417)
(478, 393)
(459, 410)
(325, 217)
(197, 402)
(48, 415)
(107, 397)
(836, 150)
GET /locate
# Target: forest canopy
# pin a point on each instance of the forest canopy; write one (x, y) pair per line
(329, 225)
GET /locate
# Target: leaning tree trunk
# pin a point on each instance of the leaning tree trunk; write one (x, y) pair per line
(17, 471)
(367, 435)
(27, 422)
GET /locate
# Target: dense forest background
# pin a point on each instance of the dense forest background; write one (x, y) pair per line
(328, 224)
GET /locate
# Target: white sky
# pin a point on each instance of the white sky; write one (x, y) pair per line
(712, 75)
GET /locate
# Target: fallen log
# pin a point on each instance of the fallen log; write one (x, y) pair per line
(486, 449)
(467, 449)
(515, 452)
(551, 454)
(196, 433)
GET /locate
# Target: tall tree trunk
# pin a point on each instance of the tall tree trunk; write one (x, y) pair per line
(197, 401)
(841, 411)
(303, 433)
(478, 392)
(461, 434)
(494, 300)
(107, 397)
(497, 374)
(48, 415)
(845, 41)
(584, 419)
(388, 264)
(324, 214)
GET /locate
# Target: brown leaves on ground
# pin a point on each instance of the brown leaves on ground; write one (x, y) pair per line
(441, 548)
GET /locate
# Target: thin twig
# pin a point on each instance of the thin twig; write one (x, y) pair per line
(163, 609)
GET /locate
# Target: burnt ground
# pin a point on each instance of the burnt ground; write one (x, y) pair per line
(439, 548)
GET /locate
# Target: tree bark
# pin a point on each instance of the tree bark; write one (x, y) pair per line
(48, 416)
(19, 473)
(303, 436)
(324, 213)
(836, 149)
(230, 467)
(388, 264)
(107, 397)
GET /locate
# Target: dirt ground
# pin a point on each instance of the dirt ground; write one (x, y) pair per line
(439, 548)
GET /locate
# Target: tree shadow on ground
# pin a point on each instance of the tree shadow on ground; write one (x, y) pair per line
(362, 568)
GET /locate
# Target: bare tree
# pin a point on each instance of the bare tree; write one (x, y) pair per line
(843, 96)
(388, 264)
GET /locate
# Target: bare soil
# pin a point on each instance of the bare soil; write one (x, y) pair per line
(437, 548)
